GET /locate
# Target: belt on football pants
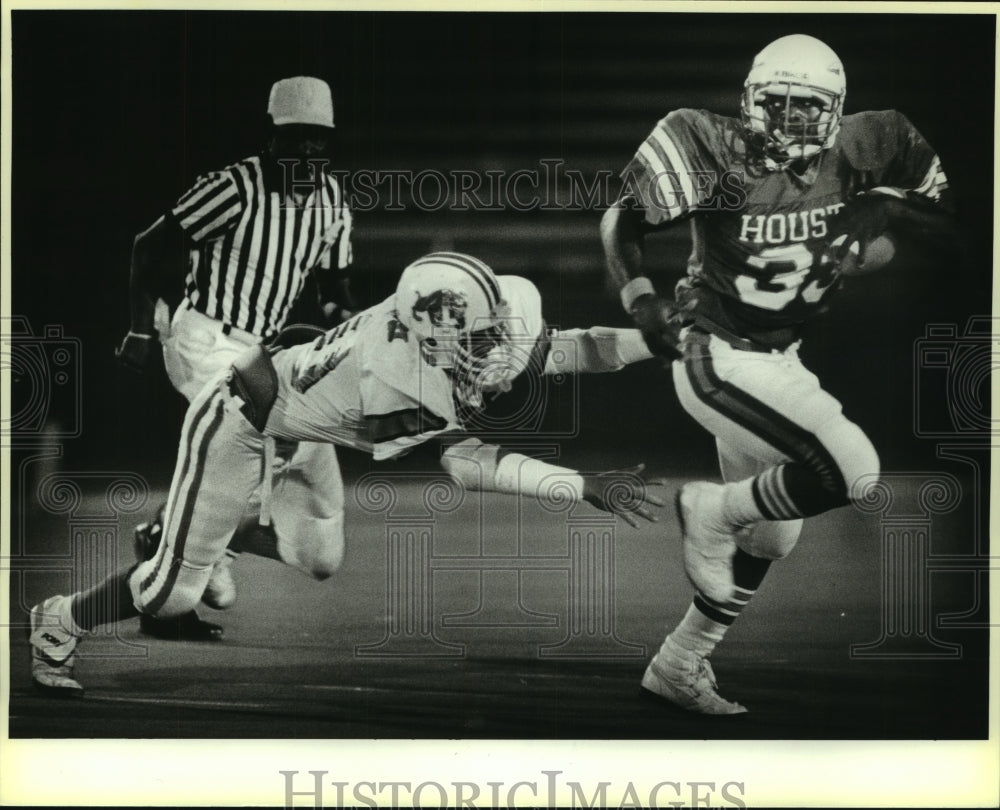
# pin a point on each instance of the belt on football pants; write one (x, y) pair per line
(230, 331)
(238, 334)
(703, 336)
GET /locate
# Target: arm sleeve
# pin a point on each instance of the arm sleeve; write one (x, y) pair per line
(343, 249)
(209, 207)
(595, 350)
(487, 467)
(674, 170)
(914, 168)
(338, 252)
(337, 255)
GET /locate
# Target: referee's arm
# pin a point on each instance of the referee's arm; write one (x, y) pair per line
(159, 264)
(333, 285)
(159, 261)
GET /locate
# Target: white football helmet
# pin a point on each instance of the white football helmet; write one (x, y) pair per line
(793, 99)
(441, 299)
(499, 354)
(509, 356)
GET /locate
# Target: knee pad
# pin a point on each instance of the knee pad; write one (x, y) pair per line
(771, 540)
(315, 546)
(326, 564)
(325, 558)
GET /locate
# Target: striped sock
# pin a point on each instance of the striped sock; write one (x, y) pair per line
(785, 492)
(706, 620)
(772, 497)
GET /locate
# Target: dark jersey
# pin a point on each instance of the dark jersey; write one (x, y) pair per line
(759, 266)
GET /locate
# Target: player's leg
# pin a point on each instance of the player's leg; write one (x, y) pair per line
(217, 469)
(187, 627)
(55, 631)
(307, 515)
(250, 537)
(195, 351)
(774, 425)
(58, 623)
(706, 621)
(769, 407)
(309, 511)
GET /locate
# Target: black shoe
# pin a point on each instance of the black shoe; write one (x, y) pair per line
(187, 627)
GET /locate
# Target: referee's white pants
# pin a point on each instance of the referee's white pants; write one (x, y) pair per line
(766, 409)
(219, 468)
(196, 348)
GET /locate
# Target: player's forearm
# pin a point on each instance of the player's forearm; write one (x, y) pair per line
(595, 350)
(930, 225)
(622, 240)
(489, 468)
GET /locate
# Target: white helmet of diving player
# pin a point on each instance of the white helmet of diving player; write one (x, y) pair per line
(441, 299)
(793, 99)
(500, 362)
(501, 352)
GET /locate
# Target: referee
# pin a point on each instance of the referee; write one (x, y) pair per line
(240, 243)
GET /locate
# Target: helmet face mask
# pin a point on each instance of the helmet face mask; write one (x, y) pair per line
(482, 366)
(793, 100)
(796, 127)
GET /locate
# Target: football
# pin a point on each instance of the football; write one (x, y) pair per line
(877, 254)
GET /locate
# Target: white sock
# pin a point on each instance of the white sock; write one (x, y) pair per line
(697, 633)
(64, 613)
(739, 507)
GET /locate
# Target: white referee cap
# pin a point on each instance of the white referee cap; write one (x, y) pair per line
(301, 100)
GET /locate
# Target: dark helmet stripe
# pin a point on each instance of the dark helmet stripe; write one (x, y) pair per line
(438, 258)
(480, 266)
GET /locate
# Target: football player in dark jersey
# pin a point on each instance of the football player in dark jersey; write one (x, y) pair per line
(781, 202)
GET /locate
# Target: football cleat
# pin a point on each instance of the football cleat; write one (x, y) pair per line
(686, 680)
(220, 593)
(53, 652)
(186, 627)
(709, 542)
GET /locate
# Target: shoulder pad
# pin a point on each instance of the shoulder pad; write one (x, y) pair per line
(871, 140)
(706, 126)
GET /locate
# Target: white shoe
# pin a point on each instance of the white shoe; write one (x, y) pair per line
(53, 652)
(220, 593)
(686, 679)
(709, 543)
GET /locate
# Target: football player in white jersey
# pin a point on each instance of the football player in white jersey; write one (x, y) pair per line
(392, 377)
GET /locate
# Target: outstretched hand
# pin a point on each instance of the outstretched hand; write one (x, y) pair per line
(624, 493)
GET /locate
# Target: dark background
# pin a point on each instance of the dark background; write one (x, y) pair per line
(116, 113)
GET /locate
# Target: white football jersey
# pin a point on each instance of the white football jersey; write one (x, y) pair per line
(364, 384)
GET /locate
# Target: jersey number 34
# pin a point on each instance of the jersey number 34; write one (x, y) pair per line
(789, 266)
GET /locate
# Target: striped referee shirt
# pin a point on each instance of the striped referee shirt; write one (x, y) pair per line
(254, 245)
